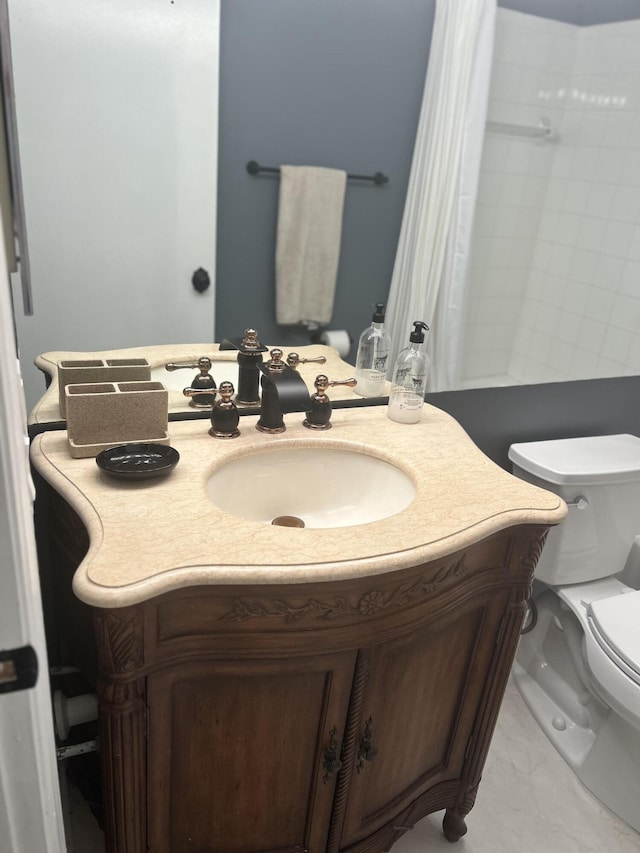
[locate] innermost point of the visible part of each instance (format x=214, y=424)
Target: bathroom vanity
x=275, y=689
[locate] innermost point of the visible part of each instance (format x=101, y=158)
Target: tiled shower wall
x=554, y=285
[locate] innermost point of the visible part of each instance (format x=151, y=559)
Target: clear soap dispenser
x=409, y=383
x=372, y=357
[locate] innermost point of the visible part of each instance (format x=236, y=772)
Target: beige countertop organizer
x=92, y=370
x=104, y=414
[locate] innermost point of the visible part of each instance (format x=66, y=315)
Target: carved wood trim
x=120, y=641
x=489, y=707
x=368, y=604
x=530, y=560
x=122, y=725
x=349, y=749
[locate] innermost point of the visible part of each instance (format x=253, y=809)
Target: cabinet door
x=237, y=754
x=417, y=716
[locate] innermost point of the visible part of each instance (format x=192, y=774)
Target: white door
x=30, y=813
x=117, y=115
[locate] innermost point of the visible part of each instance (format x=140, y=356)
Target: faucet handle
x=319, y=412
x=323, y=382
x=224, y=415
x=201, y=398
x=203, y=364
x=275, y=362
x=202, y=382
x=350, y=383
x=250, y=340
x=293, y=360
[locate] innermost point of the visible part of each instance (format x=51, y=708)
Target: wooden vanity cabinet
x=420, y=711
x=310, y=717
x=236, y=753
x=319, y=717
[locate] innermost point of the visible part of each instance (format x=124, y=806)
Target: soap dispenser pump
x=372, y=357
x=409, y=383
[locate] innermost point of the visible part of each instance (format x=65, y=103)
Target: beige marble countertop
x=158, y=535
x=47, y=409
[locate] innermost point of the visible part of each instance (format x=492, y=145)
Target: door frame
x=30, y=806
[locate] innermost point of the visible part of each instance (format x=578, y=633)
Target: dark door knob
x=200, y=280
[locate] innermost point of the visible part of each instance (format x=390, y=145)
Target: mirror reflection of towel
x=308, y=243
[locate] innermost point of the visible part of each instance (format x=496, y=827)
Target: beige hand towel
x=308, y=243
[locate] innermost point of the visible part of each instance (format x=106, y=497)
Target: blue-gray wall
x=498, y=417
x=335, y=83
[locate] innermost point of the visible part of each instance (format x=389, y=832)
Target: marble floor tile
x=528, y=802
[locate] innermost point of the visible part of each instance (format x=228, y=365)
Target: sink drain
x=288, y=521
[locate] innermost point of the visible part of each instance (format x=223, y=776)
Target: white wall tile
x=625, y=313
x=583, y=364
x=630, y=279
x=631, y=167
x=599, y=303
x=634, y=246
x=513, y=188
x=556, y=255
x=626, y=204
x=561, y=259
x=576, y=294
x=617, y=238
x=576, y=196
x=600, y=199
x=620, y=126
x=542, y=256
x=591, y=233
x=616, y=345
x=519, y=157
x=608, y=272
x=583, y=266
x=608, y=167
x=535, y=189
x=568, y=328
x=633, y=358
x=583, y=166
x=592, y=334
x=607, y=367
x=593, y=127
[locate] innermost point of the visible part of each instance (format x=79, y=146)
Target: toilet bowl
x=578, y=666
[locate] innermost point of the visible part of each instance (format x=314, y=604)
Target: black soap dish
x=138, y=461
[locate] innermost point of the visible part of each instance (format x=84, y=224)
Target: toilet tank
x=594, y=540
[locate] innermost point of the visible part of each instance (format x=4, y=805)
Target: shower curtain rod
x=254, y=168
x=542, y=131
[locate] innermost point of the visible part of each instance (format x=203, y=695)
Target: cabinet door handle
x=331, y=761
x=367, y=751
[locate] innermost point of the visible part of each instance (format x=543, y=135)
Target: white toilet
x=578, y=666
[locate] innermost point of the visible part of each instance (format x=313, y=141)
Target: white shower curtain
x=431, y=261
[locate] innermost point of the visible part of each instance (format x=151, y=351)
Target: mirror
x=126, y=119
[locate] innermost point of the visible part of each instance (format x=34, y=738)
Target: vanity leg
x=122, y=728
x=453, y=825
x=123, y=759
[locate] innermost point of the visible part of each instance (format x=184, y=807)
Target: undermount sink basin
x=176, y=380
x=310, y=487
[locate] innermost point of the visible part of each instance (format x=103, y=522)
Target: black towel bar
x=254, y=168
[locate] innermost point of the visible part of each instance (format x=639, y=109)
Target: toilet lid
x=581, y=461
x=616, y=626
